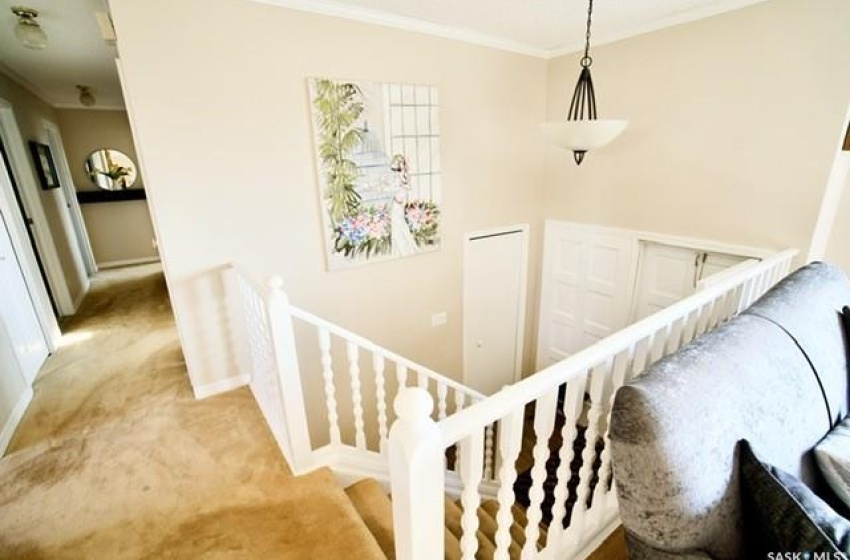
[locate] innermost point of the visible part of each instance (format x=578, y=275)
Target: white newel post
x=417, y=470
x=291, y=393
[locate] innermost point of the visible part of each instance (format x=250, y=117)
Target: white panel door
x=712, y=263
x=494, y=307
x=667, y=274
x=587, y=284
x=18, y=312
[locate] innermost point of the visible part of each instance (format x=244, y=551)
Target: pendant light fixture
x=27, y=30
x=86, y=96
x=582, y=131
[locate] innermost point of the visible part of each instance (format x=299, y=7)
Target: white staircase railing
x=288, y=350
x=572, y=402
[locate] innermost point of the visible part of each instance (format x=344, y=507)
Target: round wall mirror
x=111, y=170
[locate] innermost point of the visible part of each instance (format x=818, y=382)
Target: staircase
x=374, y=506
x=446, y=438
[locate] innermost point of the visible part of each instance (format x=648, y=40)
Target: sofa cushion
x=833, y=457
x=781, y=514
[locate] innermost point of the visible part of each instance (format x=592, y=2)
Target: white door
x=666, y=274
x=586, y=290
x=17, y=310
x=495, y=270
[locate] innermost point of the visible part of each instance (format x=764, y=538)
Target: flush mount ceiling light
x=27, y=30
x=582, y=131
x=86, y=96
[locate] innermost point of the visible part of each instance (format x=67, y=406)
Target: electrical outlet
x=438, y=319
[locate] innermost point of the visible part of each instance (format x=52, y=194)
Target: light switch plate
x=438, y=319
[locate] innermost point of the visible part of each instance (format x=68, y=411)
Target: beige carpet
x=116, y=459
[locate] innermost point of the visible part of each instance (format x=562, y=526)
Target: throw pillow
x=781, y=514
x=833, y=457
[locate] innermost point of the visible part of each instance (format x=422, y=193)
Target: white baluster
x=441, y=400
x=510, y=443
x=690, y=327
x=417, y=478
x=421, y=380
x=662, y=335
x=622, y=363
x=356, y=394
x=471, y=467
x=544, y=420
x=381, y=397
x=330, y=389
x=598, y=378
x=401, y=376
x=572, y=409
x=488, y=452
x=706, y=312
x=460, y=400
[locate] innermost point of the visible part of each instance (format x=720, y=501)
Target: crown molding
x=76, y=107
x=387, y=19
x=27, y=85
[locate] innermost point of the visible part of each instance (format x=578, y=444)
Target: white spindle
x=421, y=380
x=690, y=327
x=706, y=313
x=441, y=400
x=381, y=397
x=622, y=362
x=353, y=352
x=598, y=378
x=572, y=409
x=510, y=442
x=488, y=452
x=460, y=400
x=471, y=467
x=417, y=478
x=544, y=420
x=401, y=376
x=330, y=389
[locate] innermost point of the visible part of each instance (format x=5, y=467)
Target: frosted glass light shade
x=582, y=136
x=30, y=34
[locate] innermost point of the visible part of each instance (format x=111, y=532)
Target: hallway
x=116, y=459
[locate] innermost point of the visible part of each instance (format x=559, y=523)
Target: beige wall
x=118, y=231
x=733, y=122
x=221, y=119
x=30, y=113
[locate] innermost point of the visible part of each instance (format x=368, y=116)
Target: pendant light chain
x=586, y=60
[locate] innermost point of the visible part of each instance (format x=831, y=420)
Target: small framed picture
x=44, y=166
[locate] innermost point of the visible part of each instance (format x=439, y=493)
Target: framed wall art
x=44, y=167
x=378, y=165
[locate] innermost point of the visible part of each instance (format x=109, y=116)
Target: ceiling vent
x=107, y=31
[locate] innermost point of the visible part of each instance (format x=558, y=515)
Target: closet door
x=666, y=275
x=586, y=291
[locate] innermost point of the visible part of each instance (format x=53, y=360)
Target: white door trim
x=28, y=187
x=77, y=230
x=523, y=230
x=26, y=257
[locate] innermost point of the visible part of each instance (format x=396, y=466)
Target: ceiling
x=77, y=53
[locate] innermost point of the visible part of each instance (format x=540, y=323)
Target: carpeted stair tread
x=374, y=506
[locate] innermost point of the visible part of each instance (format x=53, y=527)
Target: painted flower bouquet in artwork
x=378, y=164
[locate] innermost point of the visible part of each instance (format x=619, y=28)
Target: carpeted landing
x=116, y=459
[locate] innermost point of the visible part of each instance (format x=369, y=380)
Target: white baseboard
x=126, y=262
x=83, y=291
x=222, y=386
x=14, y=420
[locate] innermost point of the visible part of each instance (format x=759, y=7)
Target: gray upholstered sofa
x=674, y=430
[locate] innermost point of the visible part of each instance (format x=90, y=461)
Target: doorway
x=495, y=284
